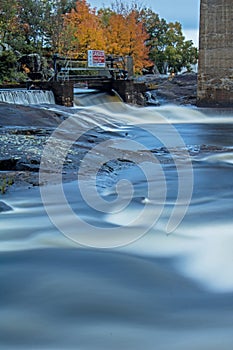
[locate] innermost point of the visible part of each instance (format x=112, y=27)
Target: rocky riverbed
x=24, y=131
x=179, y=89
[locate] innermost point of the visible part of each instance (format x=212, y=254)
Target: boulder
x=4, y=207
x=31, y=62
x=8, y=164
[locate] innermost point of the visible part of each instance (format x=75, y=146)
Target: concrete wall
x=63, y=92
x=215, y=73
x=130, y=91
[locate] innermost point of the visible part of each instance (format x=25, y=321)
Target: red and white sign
x=96, y=58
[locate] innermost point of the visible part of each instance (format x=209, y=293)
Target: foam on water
x=27, y=97
x=202, y=251
x=173, y=291
x=223, y=158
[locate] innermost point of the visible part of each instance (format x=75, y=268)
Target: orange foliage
x=126, y=36
x=82, y=31
x=118, y=34
x=137, y=36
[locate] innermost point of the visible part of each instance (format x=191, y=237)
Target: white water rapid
x=27, y=97
x=134, y=253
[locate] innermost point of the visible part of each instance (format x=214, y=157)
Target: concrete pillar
x=129, y=66
x=215, y=71
x=130, y=91
x=63, y=91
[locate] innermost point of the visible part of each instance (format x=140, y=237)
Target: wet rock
x=183, y=87
x=31, y=61
x=151, y=99
x=20, y=164
x=180, y=89
x=28, y=116
x=8, y=164
x=29, y=131
x=4, y=207
x=28, y=165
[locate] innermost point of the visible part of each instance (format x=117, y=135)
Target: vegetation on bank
x=5, y=183
x=70, y=28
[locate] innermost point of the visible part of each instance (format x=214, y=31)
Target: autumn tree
x=116, y=34
x=125, y=33
x=137, y=37
x=72, y=27
x=32, y=25
x=82, y=31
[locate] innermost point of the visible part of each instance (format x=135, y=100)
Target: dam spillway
x=26, y=97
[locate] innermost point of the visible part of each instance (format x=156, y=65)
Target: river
x=136, y=252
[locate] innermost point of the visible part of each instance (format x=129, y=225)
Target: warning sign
x=96, y=58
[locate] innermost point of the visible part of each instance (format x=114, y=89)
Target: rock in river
x=4, y=207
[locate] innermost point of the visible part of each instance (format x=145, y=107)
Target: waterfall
x=27, y=96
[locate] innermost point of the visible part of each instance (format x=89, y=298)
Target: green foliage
x=8, y=13
x=7, y=65
x=8, y=68
x=168, y=49
x=38, y=26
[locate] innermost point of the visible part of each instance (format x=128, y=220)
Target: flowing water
x=136, y=253
x=26, y=97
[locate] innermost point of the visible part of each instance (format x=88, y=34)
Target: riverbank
x=179, y=89
x=23, y=133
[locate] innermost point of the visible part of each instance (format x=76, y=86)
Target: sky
x=184, y=11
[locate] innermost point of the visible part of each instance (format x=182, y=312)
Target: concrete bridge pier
x=215, y=72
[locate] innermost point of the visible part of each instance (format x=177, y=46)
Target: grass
x=5, y=183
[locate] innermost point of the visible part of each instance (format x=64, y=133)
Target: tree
x=72, y=27
x=55, y=22
x=125, y=33
x=168, y=49
x=83, y=31
x=7, y=66
x=117, y=36
x=33, y=18
x=33, y=25
x=8, y=21
x=137, y=37
x=189, y=55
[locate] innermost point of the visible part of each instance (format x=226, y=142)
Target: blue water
x=102, y=276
